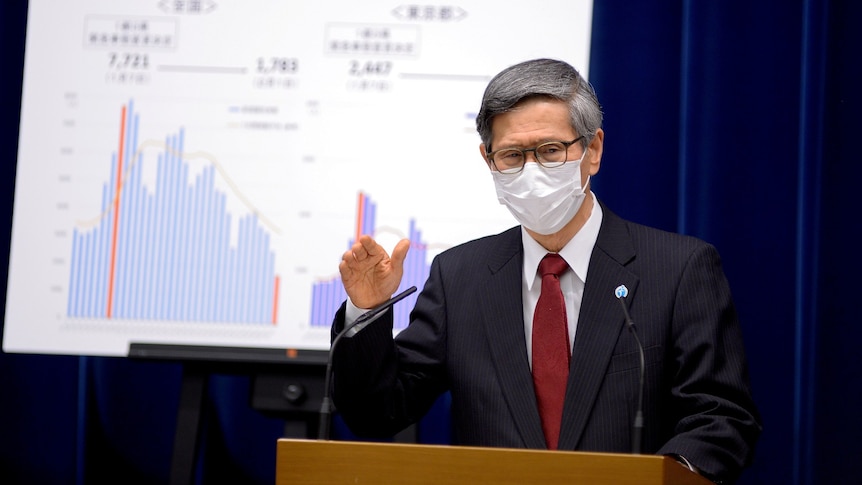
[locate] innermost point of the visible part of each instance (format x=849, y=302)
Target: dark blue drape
x=732, y=121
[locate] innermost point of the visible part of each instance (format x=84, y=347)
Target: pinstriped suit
x=467, y=336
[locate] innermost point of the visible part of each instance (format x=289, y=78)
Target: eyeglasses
x=549, y=155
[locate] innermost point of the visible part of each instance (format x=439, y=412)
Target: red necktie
x=551, y=348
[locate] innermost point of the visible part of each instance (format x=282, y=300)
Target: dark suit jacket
x=466, y=336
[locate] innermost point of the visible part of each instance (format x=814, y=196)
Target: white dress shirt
x=577, y=254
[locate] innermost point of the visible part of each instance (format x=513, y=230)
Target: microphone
x=637, y=427
x=353, y=328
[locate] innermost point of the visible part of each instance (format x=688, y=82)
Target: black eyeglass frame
x=567, y=144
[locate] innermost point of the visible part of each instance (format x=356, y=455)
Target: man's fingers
x=368, y=247
x=400, y=252
x=367, y=253
x=365, y=248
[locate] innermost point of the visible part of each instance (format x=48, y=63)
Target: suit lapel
x=502, y=314
x=599, y=325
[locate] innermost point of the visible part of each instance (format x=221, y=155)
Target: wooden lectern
x=339, y=462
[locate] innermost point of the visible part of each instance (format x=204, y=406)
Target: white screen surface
x=190, y=172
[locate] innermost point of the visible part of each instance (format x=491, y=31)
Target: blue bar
x=367, y=223
x=180, y=265
x=91, y=274
x=89, y=304
x=210, y=257
x=201, y=243
x=151, y=269
x=325, y=302
x=92, y=259
x=154, y=242
x=123, y=243
x=161, y=247
x=85, y=286
x=141, y=212
x=168, y=204
x=208, y=291
x=164, y=235
x=192, y=266
x=263, y=288
x=220, y=255
x=191, y=216
x=171, y=225
x=215, y=270
x=207, y=298
x=194, y=282
x=138, y=219
x=230, y=297
x=256, y=290
x=181, y=261
x=98, y=261
x=146, y=267
x=159, y=209
x=316, y=298
x=255, y=261
x=72, y=290
x=242, y=269
x=149, y=252
x=137, y=222
x=133, y=292
x=251, y=270
x=238, y=285
x=198, y=244
x=240, y=272
x=229, y=275
x=119, y=252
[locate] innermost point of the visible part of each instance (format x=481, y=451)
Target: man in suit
x=526, y=370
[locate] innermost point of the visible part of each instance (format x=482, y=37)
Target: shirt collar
x=576, y=252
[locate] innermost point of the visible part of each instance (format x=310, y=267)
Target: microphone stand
x=326, y=404
x=637, y=427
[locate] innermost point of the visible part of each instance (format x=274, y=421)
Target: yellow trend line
x=182, y=156
x=415, y=244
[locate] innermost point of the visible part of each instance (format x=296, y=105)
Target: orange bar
x=116, y=211
x=360, y=214
x=275, y=302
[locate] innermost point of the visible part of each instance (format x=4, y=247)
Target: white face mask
x=542, y=199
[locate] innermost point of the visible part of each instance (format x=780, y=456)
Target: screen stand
x=188, y=429
x=285, y=384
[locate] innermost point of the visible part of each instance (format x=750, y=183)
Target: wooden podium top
x=340, y=462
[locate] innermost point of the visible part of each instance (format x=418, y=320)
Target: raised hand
x=369, y=274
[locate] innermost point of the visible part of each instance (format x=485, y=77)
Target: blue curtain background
x=734, y=121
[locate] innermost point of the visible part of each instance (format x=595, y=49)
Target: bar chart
x=167, y=254
x=328, y=295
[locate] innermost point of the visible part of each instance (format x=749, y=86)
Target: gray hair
x=541, y=78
